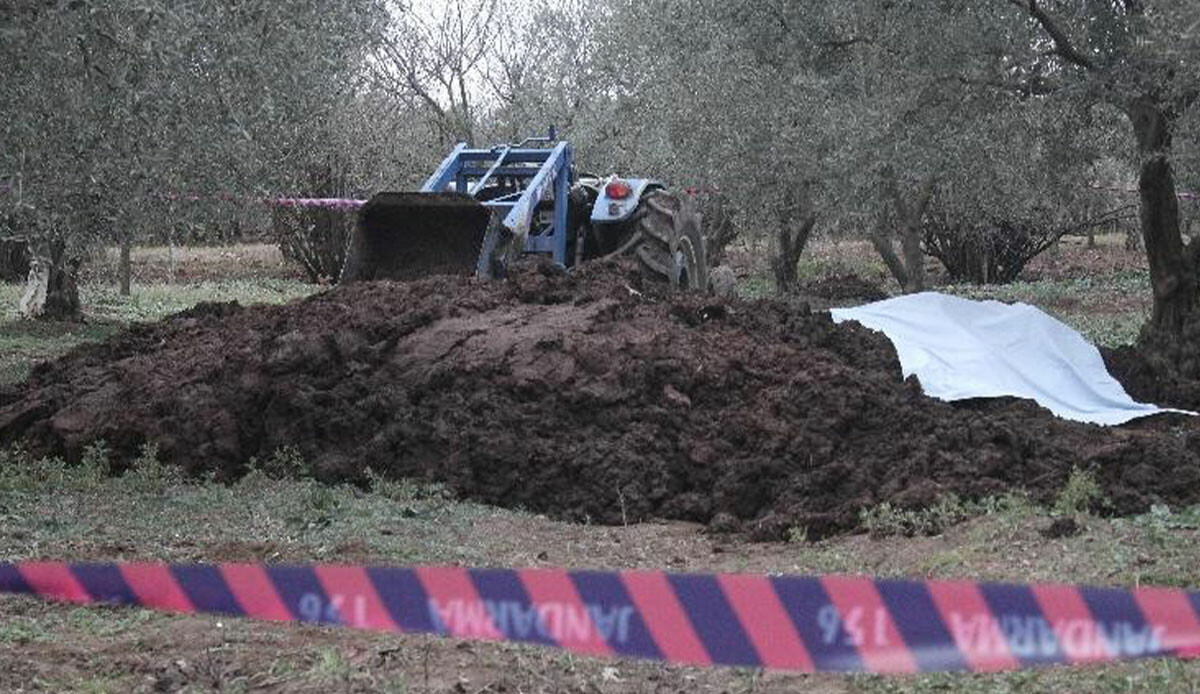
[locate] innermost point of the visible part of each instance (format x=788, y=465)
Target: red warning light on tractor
x=617, y=189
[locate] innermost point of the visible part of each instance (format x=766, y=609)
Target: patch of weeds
x=317, y=506
x=285, y=463
x=886, y=520
x=755, y=287
x=1020, y=681
x=1162, y=525
x=14, y=370
x=1008, y=514
x=100, y=685
x=1165, y=675
x=1015, y=503
x=404, y=489
x=95, y=466
x=322, y=498
x=22, y=632
x=332, y=666
x=399, y=686
x=107, y=621
x=150, y=475
x=1161, y=516
x=1109, y=330
x=20, y=472
x=254, y=479
x=1080, y=495
x=940, y=562
x=798, y=534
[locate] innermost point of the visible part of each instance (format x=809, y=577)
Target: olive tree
x=113, y=107
x=1141, y=58
x=719, y=95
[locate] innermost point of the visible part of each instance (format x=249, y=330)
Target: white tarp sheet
x=959, y=348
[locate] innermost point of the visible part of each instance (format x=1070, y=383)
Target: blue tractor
x=483, y=208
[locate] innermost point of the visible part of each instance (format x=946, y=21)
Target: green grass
x=48, y=505
x=58, y=515
x=1107, y=305
x=1108, y=309
x=151, y=302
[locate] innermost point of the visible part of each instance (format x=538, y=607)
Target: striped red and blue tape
x=827, y=623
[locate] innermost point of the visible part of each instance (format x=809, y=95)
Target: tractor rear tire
x=671, y=242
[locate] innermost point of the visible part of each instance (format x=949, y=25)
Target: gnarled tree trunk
x=1172, y=273
x=52, y=290
x=792, y=238
x=909, y=270
x=14, y=259
x=796, y=221
x=719, y=227
x=882, y=241
x=125, y=265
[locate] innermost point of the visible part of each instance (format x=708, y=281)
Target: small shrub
x=29, y=474
x=149, y=474
x=949, y=510
x=20, y=471
x=798, y=534
x=316, y=238
x=1162, y=525
x=314, y=505
x=255, y=478
x=95, y=466
x=405, y=489
x=983, y=251
x=332, y=666
x=285, y=463
x=1012, y=503
x=322, y=498
x=1162, y=515
x=886, y=520
x=1081, y=494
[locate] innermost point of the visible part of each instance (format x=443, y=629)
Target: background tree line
x=971, y=131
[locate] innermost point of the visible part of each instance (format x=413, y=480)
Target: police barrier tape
x=329, y=203
x=829, y=623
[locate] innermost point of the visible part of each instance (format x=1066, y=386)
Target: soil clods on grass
x=1160, y=368
x=590, y=396
x=844, y=286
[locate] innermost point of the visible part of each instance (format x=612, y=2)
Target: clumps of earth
x=843, y=287
x=587, y=396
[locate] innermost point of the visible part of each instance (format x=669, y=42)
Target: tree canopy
x=881, y=120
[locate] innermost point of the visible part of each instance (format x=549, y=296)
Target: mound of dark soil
x=586, y=397
x=1162, y=369
x=843, y=288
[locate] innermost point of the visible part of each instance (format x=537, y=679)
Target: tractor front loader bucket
x=406, y=236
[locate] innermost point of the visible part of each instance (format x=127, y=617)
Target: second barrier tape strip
x=808, y=624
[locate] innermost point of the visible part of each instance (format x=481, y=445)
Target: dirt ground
x=55, y=648
x=47, y=515
x=591, y=397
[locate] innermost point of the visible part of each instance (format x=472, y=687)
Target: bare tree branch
x=1063, y=46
